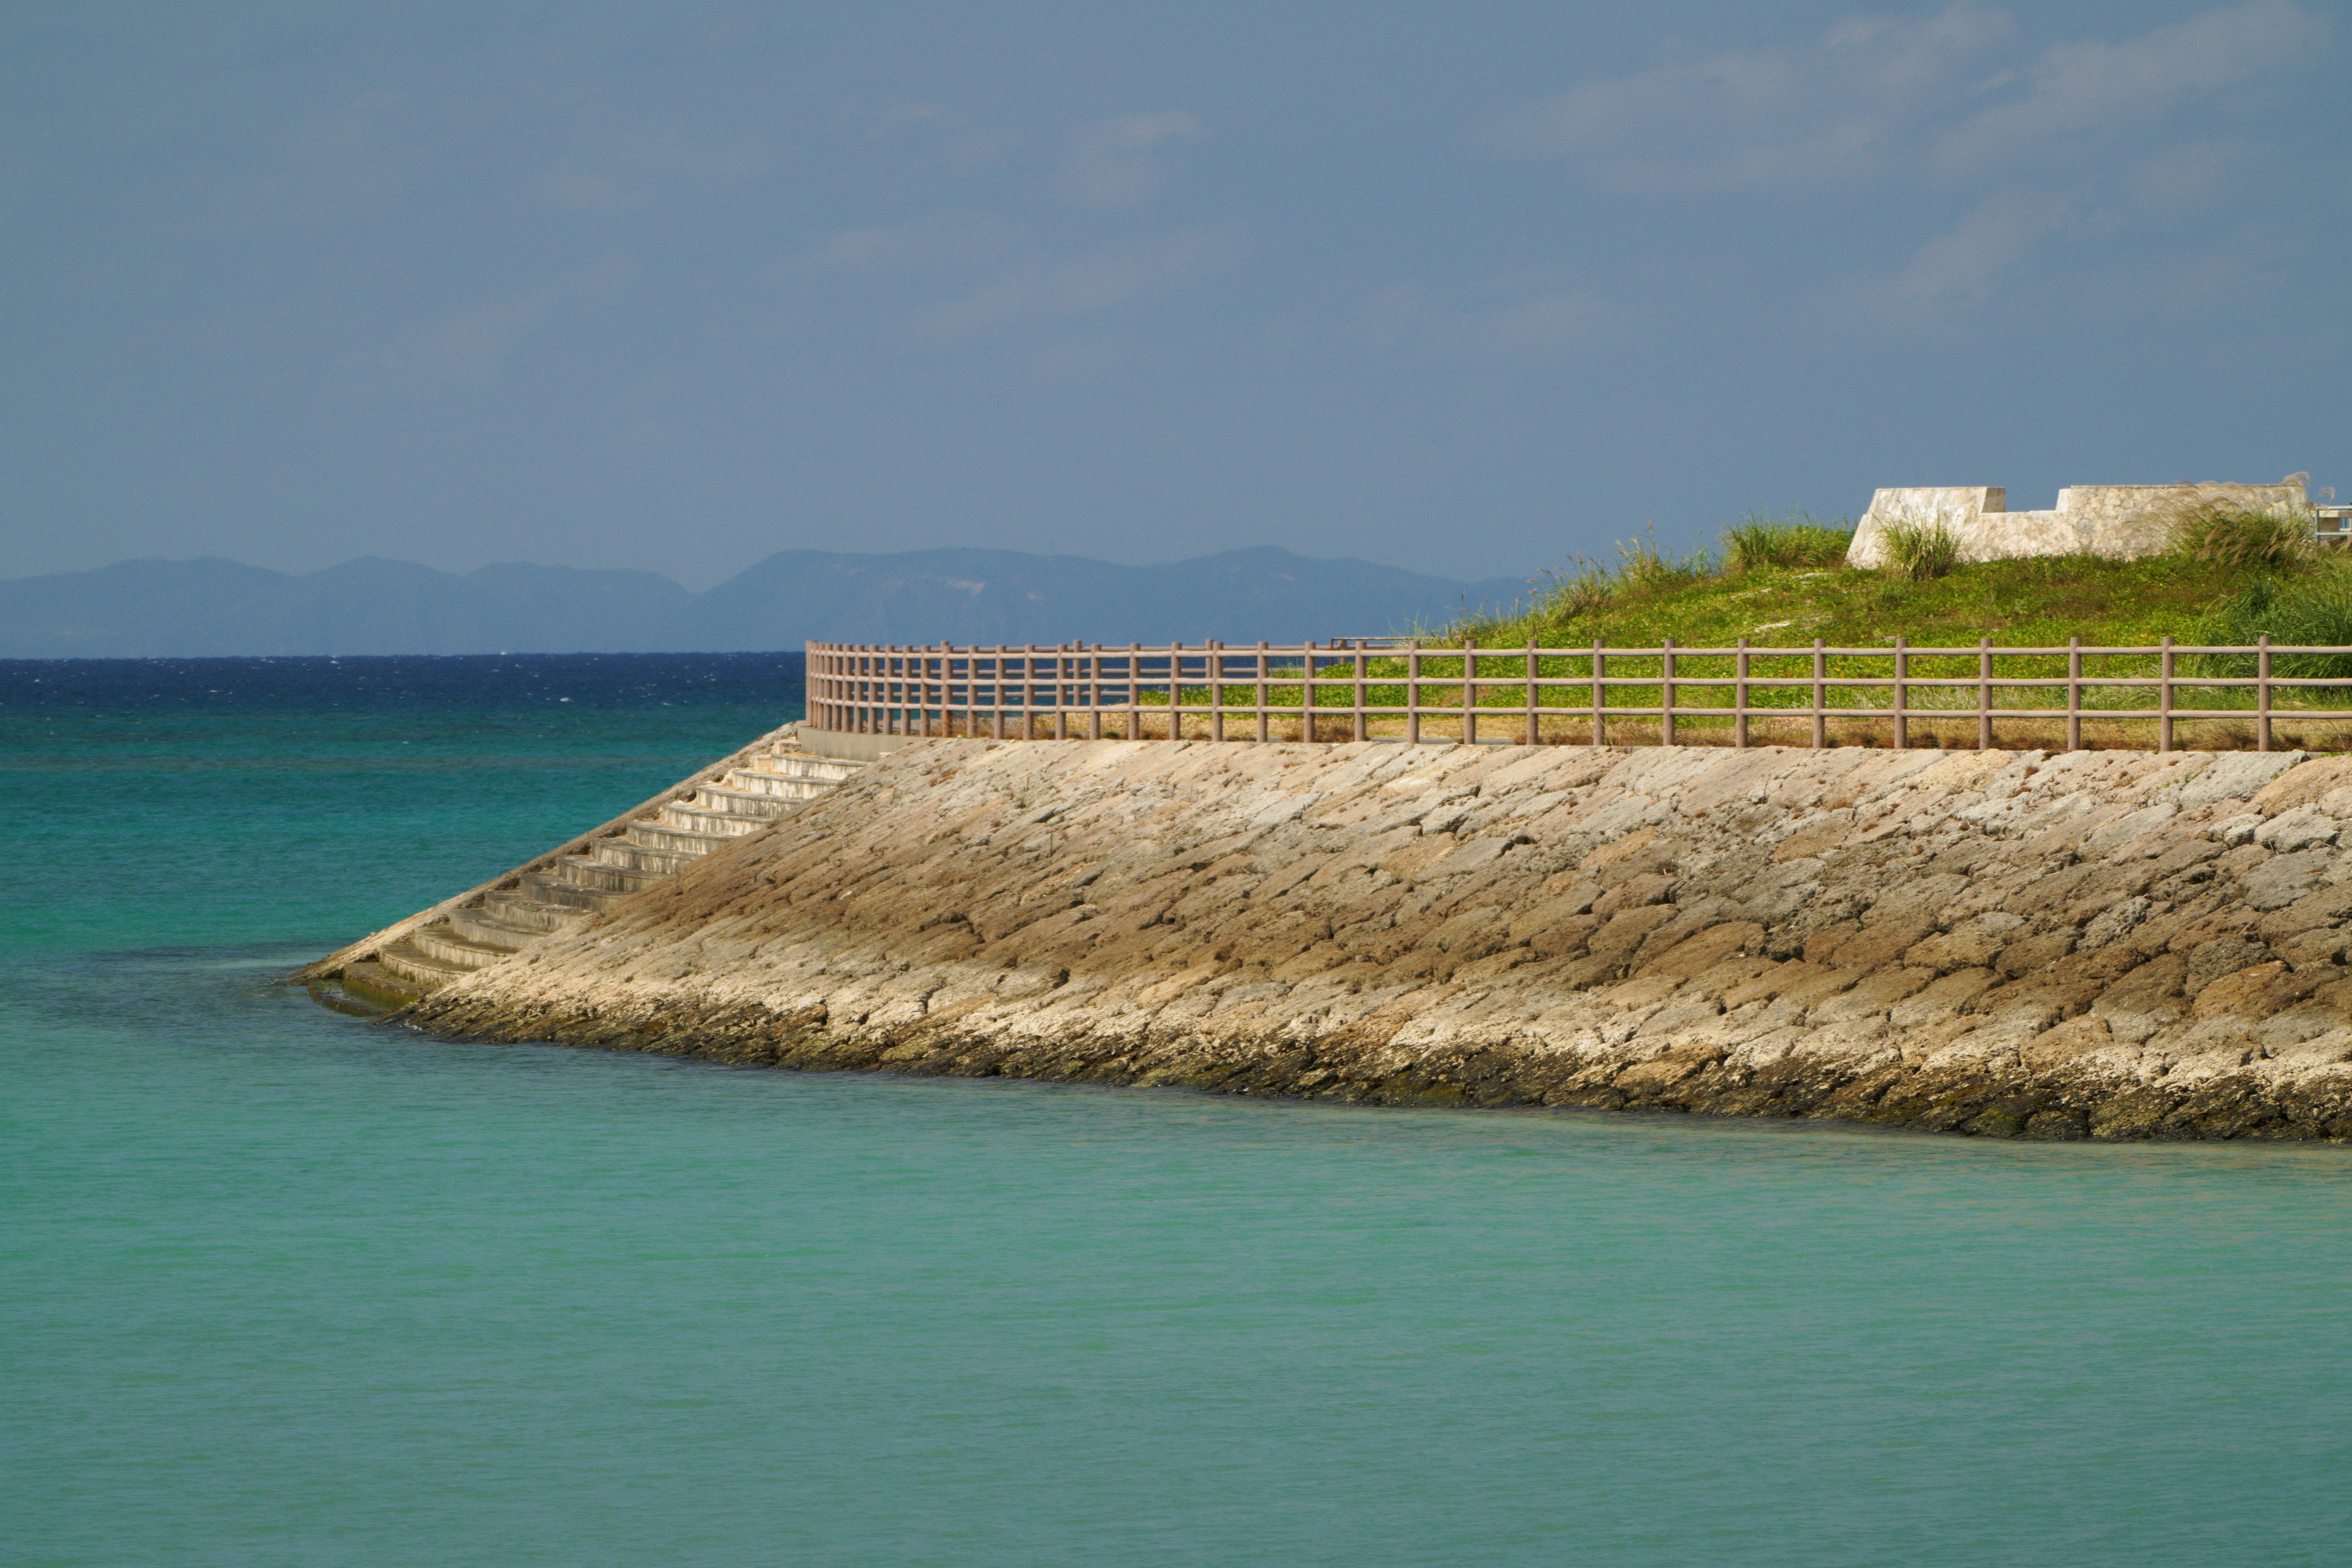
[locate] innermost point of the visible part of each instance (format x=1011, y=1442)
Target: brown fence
x=1366, y=689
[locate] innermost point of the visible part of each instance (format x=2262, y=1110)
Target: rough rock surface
x=2110, y=944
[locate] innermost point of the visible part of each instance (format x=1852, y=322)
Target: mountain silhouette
x=214, y=607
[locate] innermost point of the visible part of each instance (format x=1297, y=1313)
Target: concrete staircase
x=772, y=785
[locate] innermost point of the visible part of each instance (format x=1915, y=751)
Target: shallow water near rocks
x=280, y=1286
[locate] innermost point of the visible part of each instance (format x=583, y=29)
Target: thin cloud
x=475, y=344
x=626, y=165
x=356, y=159
x=937, y=242
x=1842, y=105
x=953, y=135
x=2085, y=86
x=1080, y=286
x=1876, y=97
x=1513, y=320
x=1107, y=164
x=1958, y=270
x=593, y=194
x=1541, y=326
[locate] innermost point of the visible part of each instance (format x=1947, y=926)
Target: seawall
x=2105, y=945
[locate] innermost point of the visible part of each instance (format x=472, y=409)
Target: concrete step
x=491, y=929
x=649, y=864
x=710, y=823
x=676, y=838
x=552, y=886
x=793, y=787
x=609, y=877
x=404, y=959
x=443, y=944
x=524, y=913
x=379, y=987
x=740, y=803
x=801, y=764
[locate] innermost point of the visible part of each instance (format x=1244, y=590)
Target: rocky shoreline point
x=2105, y=945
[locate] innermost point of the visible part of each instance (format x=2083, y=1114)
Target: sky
x=1471, y=288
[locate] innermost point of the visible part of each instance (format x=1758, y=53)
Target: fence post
x=1600, y=695
x=1902, y=674
x=1094, y=692
x=1176, y=692
x=2164, y=699
x=1821, y=696
x=1307, y=694
x=1061, y=679
x=1666, y=691
x=1261, y=688
x=2263, y=693
x=2074, y=694
x=1984, y=694
x=996, y=694
x=1028, y=691
x=1413, y=691
x=1469, y=691
x=1363, y=729
x=1532, y=737
x=1135, y=692
x=1214, y=669
x=1739, y=698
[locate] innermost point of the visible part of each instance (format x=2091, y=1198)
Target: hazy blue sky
x=1467, y=288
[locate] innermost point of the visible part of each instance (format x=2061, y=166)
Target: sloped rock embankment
x=2109, y=944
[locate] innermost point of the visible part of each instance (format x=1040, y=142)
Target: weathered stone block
x=1970, y=944
x=2298, y=829
x=2281, y=882
x=2225, y=955
x=1217, y=917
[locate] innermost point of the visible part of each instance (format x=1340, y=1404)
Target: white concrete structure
x=2116, y=521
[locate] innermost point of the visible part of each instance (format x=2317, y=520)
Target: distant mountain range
x=205, y=607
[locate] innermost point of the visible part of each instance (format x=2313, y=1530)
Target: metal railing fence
x=1366, y=689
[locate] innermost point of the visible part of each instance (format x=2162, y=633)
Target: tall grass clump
x=1799, y=540
x=1584, y=587
x=1922, y=552
x=2235, y=536
x=1642, y=567
x=2310, y=611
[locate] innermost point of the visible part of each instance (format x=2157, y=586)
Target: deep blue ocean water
x=280, y=1286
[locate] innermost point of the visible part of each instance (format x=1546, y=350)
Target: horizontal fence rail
x=1376, y=688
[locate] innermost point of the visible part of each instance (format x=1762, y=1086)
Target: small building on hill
x=2116, y=521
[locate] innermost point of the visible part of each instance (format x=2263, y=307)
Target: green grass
x=2037, y=602
x=1782, y=584
x=1800, y=542
x=2204, y=595
x=2244, y=538
x=1922, y=552
x=2312, y=609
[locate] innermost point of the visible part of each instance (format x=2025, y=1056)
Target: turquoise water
x=278, y=1286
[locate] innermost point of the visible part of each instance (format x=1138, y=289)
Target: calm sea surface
x=278, y=1286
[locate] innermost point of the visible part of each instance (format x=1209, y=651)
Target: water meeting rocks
x=2105, y=945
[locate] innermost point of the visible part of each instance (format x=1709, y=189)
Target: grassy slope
x=2039, y=602
x=2034, y=603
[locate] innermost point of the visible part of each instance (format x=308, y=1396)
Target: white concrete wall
x=1958, y=508
x=2119, y=521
